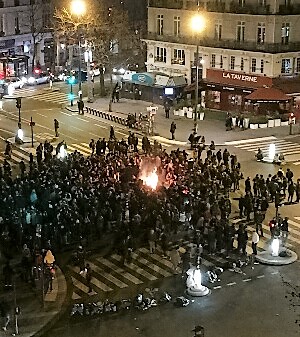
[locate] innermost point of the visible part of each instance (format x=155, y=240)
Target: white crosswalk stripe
x=53, y=97
x=290, y=150
x=25, y=92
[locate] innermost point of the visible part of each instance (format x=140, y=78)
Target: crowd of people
x=59, y=202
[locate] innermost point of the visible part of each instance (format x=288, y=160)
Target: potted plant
x=284, y=119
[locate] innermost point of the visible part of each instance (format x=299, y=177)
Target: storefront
x=226, y=90
x=153, y=87
x=13, y=66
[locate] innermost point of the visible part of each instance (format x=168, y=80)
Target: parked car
x=14, y=82
x=40, y=78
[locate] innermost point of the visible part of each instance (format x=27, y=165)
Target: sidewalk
x=212, y=127
x=35, y=317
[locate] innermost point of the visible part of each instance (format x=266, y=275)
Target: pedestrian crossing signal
x=71, y=80
x=18, y=102
x=71, y=96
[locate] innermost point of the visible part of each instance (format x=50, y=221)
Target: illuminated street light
x=197, y=25
x=78, y=7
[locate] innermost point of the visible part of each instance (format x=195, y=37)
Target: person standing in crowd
x=255, y=240
x=167, y=109
x=56, y=127
x=172, y=130
x=80, y=105
x=297, y=190
x=92, y=146
x=291, y=191
x=88, y=277
x=284, y=228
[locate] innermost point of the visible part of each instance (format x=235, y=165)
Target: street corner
x=161, y=139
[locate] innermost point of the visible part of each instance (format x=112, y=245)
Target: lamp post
x=197, y=25
x=78, y=8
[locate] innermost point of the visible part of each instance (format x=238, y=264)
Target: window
x=176, y=25
x=285, y=33
x=17, y=28
x=253, y=65
x=240, y=32
x=297, y=70
x=221, y=61
x=17, y=2
x=179, y=57
x=285, y=66
x=262, y=64
x=160, y=24
x=242, y=3
x=218, y=30
x=213, y=61
x=161, y=54
x=232, y=62
x=261, y=33
x=242, y=64
x=262, y=3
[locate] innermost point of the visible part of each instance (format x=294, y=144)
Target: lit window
x=160, y=24
x=253, y=65
x=213, y=60
x=161, y=54
x=232, y=62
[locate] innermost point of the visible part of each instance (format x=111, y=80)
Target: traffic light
x=71, y=80
x=18, y=102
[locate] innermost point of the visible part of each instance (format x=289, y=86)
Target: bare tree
x=107, y=29
x=36, y=21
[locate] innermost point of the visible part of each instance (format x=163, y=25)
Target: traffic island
x=194, y=284
x=276, y=254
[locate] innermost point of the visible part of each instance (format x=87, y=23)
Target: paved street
x=239, y=305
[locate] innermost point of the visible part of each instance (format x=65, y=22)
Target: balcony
x=178, y=61
x=289, y=10
x=192, y=5
x=272, y=48
x=160, y=59
x=170, y=4
x=214, y=6
x=249, y=9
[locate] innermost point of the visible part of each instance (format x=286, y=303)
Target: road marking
x=121, y=133
x=84, y=120
x=260, y=276
x=217, y=287
x=101, y=126
x=297, y=217
x=41, y=115
x=247, y=279
x=231, y=284
x=64, y=113
x=74, y=127
x=274, y=273
x=251, y=140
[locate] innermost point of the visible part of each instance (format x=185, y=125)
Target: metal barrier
x=108, y=116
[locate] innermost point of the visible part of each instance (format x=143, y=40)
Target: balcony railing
x=289, y=10
x=160, y=59
x=249, y=9
x=181, y=62
x=171, y=4
x=214, y=6
x=227, y=44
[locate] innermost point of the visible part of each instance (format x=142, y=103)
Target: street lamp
x=197, y=26
x=78, y=8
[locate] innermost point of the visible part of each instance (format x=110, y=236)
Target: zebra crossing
x=42, y=95
x=110, y=274
x=22, y=153
x=290, y=150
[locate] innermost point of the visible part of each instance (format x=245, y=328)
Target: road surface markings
x=83, y=120
x=231, y=284
x=247, y=279
x=275, y=272
x=217, y=287
x=74, y=127
x=101, y=126
x=260, y=276
x=38, y=113
x=250, y=140
x=65, y=113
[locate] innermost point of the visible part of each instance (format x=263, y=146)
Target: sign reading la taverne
x=239, y=79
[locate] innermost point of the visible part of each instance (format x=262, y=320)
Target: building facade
x=25, y=36
x=245, y=44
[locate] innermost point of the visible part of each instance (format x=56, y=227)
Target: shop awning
x=267, y=95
